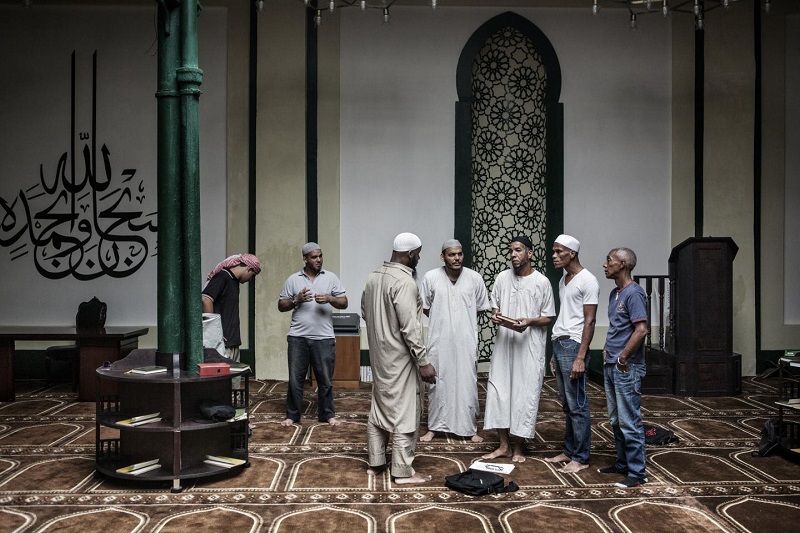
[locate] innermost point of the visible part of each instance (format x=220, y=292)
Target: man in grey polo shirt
x=311, y=295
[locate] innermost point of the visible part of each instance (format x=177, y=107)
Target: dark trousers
x=321, y=355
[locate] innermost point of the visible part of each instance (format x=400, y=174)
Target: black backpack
x=478, y=483
x=770, y=438
x=658, y=436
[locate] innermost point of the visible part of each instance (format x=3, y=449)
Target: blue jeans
x=321, y=355
x=572, y=392
x=624, y=399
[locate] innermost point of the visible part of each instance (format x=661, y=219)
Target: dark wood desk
x=107, y=344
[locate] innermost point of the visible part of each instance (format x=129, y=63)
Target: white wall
x=397, y=133
x=35, y=113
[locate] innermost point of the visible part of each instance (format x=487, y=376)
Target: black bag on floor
x=658, y=436
x=478, y=483
x=770, y=438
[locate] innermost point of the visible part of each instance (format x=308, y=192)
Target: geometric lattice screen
x=509, y=163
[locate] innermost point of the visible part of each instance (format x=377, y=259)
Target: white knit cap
x=405, y=242
x=310, y=247
x=450, y=243
x=569, y=241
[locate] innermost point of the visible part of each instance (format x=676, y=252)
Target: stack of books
x=147, y=370
x=140, y=468
x=792, y=403
x=221, y=460
x=140, y=420
x=791, y=357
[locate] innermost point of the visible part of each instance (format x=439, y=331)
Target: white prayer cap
x=405, y=242
x=450, y=243
x=310, y=247
x=569, y=241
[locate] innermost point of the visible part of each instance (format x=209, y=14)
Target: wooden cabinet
x=182, y=439
x=347, y=371
x=701, y=281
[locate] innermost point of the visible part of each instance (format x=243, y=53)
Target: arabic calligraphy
x=81, y=226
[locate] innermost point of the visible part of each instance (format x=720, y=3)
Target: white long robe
x=392, y=309
x=517, y=368
x=453, y=348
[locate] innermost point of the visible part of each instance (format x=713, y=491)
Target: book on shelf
x=145, y=469
x=147, y=370
x=241, y=414
x=137, y=467
x=239, y=367
x=221, y=460
x=143, y=422
x=134, y=420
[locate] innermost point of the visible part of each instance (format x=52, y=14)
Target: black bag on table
x=478, y=483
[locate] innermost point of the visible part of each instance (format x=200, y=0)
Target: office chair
x=91, y=315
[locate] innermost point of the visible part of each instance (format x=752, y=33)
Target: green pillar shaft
x=170, y=247
x=189, y=78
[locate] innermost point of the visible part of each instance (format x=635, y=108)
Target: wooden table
x=96, y=347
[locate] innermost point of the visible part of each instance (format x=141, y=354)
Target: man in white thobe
x=392, y=309
x=452, y=297
x=522, y=307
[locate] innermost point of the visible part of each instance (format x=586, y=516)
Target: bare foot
x=416, y=478
x=287, y=422
x=499, y=452
x=476, y=438
x=333, y=421
x=560, y=458
x=427, y=437
x=519, y=455
x=572, y=467
x=375, y=470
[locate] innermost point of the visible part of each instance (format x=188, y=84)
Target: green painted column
x=170, y=283
x=189, y=78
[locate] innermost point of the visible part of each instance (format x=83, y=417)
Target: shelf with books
x=149, y=416
x=788, y=406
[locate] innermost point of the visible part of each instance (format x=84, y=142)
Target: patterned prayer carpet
x=312, y=477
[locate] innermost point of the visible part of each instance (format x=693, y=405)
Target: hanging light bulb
x=433, y=4
x=332, y=6
x=632, y=24
x=595, y=7
x=386, y=15
x=699, y=24
x=649, y=4
x=363, y=6
x=259, y=5
x=665, y=8
x=767, y=7
x=307, y=2
x=726, y=3
x=697, y=9
x=318, y=19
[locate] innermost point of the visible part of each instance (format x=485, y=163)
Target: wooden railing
x=658, y=289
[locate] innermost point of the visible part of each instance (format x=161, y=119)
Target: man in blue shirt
x=624, y=367
x=311, y=295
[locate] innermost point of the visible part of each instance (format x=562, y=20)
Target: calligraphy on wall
x=86, y=216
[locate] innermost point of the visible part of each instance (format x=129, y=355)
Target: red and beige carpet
x=313, y=477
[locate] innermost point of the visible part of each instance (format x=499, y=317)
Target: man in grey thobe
x=392, y=308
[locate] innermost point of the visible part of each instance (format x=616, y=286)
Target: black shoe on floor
x=612, y=470
x=630, y=482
